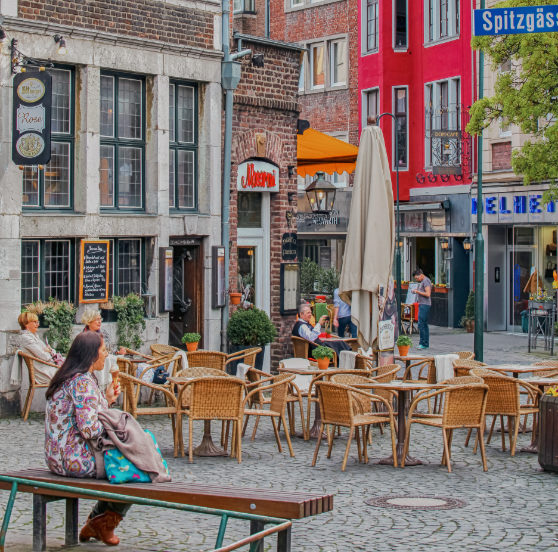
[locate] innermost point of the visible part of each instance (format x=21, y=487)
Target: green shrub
x=322, y=352
x=250, y=327
x=59, y=316
x=130, y=320
x=328, y=280
x=309, y=272
x=191, y=337
x=469, y=309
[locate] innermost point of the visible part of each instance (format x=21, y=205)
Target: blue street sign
x=524, y=20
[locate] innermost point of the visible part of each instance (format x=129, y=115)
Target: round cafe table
x=516, y=369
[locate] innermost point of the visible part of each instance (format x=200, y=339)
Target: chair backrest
x=465, y=403
x=280, y=392
x=300, y=347
x=216, y=398
x=465, y=355
x=463, y=367
x=210, y=359
x=159, y=349
x=503, y=392
x=297, y=363
x=552, y=368
x=336, y=403
x=200, y=372
x=349, y=379
x=363, y=362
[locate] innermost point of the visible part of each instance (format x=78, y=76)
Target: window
x=441, y=19
x=338, y=62
x=297, y=3
x=443, y=112
x=183, y=146
x=121, y=170
x=400, y=112
x=249, y=210
x=400, y=34
x=51, y=188
x=371, y=38
x=301, y=78
x=245, y=6
x=126, y=271
x=317, y=68
x=46, y=270
x=370, y=105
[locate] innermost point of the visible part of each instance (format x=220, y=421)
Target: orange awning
x=317, y=151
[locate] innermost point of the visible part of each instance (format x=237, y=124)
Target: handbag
x=120, y=470
x=160, y=375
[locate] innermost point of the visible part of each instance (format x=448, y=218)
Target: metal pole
x=479, y=240
x=397, y=256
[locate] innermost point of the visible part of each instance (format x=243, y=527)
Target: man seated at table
x=304, y=329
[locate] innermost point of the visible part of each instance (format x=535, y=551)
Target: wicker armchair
x=301, y=348
x=338, y=409
x=132, y=387
x=209, y=359
x=504, y=400
x=33, y=381
x=279, y=387
x=552, y=368
x=246, y=356
x=465, y=355
x=215, y=398
x=463, y=367
x=159, y=349
x=464, y=406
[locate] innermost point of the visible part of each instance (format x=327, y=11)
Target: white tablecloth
x=444, y=366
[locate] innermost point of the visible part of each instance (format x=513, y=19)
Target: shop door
x=187, y=314
x=496, y=278
x=520, y=264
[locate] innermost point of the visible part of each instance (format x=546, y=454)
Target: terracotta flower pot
x=323, y=363
x=193, y=346
x=235, y=298
x=403, y=350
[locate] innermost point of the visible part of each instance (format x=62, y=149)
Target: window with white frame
x=370, y=105
x=400, y=110
x=441, y=19
x=46, y=270
x=442, y=112
x=400, y=24
x=296, y=3
x=121, y=169
x=327, y=63
x=183, y=145
x=51, y=188
x=370, y=31
x=338, y=62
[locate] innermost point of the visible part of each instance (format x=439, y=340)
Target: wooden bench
x=239, y=502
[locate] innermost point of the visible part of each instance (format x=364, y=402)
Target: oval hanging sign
x=257, y=176
x=31, y=90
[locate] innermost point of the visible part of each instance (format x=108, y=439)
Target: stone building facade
x=136, y=159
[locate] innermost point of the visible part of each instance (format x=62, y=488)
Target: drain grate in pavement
x=416, y=502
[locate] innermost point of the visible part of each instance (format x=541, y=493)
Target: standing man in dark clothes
x=423, y=299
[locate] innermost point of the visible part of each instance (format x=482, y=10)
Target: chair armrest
x=40, y=361
x=165, y=391
x=373, y=397
x=422, y=363
x=267, y=388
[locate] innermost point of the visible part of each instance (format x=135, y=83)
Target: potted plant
x=38, y=308
x=235, y=297
x=404, y=344
x=250, y=328
x=59, y=317
x=129, y=319
x=468, y=319
x=323, y=355
x=191, y=339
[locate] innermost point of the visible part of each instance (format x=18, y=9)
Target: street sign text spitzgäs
x=520, y=20
x=32, y=101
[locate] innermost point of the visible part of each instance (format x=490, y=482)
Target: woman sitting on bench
x=73, y=403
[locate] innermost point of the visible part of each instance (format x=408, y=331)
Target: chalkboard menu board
x=94, y=271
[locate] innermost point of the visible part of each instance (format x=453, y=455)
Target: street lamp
x=397, y=221
x=321, y=195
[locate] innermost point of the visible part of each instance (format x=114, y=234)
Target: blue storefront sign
x=515, y=208
x=516, y=20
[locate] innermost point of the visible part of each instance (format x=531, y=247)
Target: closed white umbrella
x=370, y=236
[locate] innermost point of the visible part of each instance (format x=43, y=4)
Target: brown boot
x=101, y=528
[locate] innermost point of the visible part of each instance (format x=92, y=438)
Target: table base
x=207, y=447
x=533, y=448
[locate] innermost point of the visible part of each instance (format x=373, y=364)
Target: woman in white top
x=31, y=343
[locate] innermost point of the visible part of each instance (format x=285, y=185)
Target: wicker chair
x=301, y=348
x=132, y=387
x=504, y=400
x=246, y=356
x=209, y=359
x=338, y=409
x=463, y=367
x=33, y=383
x=159, y=349
x=464, y=406
x=215, y=398
x=552, y=368
x=279, y=387
x=364, y=362
x=465, y=355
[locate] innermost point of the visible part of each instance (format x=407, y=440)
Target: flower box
x=548, y=433
x=543, y=305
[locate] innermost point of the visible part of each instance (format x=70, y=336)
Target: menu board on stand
x=94, y=271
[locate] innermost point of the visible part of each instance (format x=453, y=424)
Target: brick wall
x=265, y=102
x=138, y=18
x=501, y=156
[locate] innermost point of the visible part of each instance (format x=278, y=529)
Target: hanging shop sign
x=514, y=208
x=32, y=101
x=257, y=176
x=288, y=246
x=94, y=271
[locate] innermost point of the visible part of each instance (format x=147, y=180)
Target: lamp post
x=397, y=221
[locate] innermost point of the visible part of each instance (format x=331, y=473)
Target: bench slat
x=282, y=504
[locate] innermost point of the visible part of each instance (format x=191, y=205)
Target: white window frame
x=333, y=45
x=364, y=103
x=393, y=127
x=314, y=46
x=364, y=28
x=453, y=25
x=394, y=26
x=305, y=82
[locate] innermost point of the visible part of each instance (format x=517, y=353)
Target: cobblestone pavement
x=510, y=507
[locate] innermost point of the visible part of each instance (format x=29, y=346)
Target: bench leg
x=71, y=536
x=284, y=540
x=39, y=523
x=256, y=527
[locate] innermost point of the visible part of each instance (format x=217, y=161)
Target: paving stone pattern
x=510, y=507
